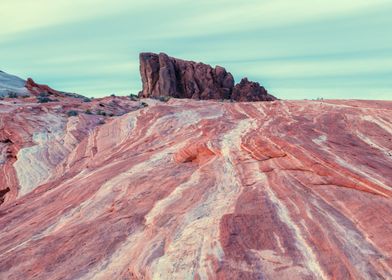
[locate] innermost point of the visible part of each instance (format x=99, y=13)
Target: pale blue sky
x=296, y=49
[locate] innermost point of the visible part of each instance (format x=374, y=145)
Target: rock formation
x=191, y=190
x=36, y=89
x=250, y=91
x=167, y=76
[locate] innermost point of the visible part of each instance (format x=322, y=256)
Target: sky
x=301, y=49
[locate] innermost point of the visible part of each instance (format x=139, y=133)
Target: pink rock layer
x=36, y=137
x=212, y=190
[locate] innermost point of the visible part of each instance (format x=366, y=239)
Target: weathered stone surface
x=211, y=190
x=250, y=91
x=167, y=76
x=11, y=85
x=35, y=137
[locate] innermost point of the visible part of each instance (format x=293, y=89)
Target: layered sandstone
x=36, y=137
x=167, y=76
x=212, y=190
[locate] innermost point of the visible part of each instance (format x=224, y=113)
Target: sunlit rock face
x=212, y=190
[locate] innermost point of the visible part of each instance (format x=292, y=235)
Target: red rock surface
x=163, y=75
x=213, y=190
x=36, y=89
x=36, y=137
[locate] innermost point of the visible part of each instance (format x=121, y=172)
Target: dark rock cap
x=163, y=75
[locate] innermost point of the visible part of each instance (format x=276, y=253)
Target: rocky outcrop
x=163, y=75
x=250, y=91
x=167, y=76
x=37, y=89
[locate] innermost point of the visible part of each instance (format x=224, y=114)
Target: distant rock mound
x=36, y=89
x=13, y=87
x=163, y=75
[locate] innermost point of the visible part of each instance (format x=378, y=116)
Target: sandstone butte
x=189, y=189
x=163, y=75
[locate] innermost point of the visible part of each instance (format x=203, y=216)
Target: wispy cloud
x=18, y=16
x=214, y=17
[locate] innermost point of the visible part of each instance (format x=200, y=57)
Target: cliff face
x=167, y=76
x=211, y=190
